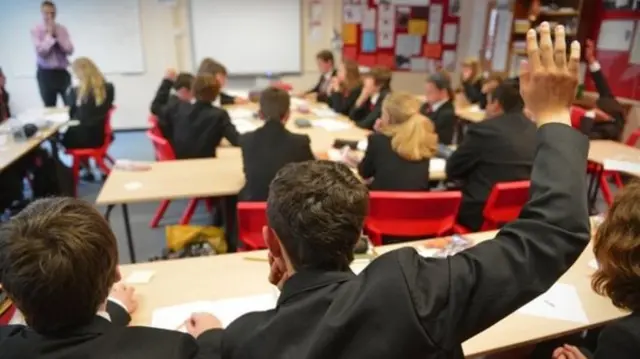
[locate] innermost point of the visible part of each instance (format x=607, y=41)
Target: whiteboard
x=248, y=36
x=108, y=32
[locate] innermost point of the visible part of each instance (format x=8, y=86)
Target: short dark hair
x=205, y=88
x=381, y=76
x=48, y=3
x=325, y=55
x=211, y=67
x=508, y=96
x=184, y=80
x=58, y=261
x=317, y=209
x=274, y=103
x=442, y=81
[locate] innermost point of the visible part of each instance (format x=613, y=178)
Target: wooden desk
x=12, y=150
x=180, y=281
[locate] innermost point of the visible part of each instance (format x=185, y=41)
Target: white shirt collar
x=328, y=75
x=437, y=105
x=374, y=98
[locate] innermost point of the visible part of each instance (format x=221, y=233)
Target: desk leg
x=594, y=187
x=127, y=231
x=107, y=213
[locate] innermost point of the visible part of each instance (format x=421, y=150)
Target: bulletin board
x=404, y=35
x=617, y=37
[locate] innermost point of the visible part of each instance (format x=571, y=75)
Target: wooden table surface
x=232, y=275
x=601, y=150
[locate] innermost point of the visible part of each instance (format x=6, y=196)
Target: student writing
x=376, y=86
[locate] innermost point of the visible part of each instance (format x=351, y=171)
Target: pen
x=549, y=303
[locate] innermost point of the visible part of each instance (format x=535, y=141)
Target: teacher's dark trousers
x=53, y=82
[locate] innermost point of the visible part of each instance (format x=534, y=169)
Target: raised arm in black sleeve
x=161, y=98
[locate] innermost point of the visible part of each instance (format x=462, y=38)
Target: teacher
x=53, y=46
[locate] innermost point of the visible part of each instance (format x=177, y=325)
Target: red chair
x=154, y=126
x=411, y=214
x=252, y=217
x=503, y=205
x=99, y=154
x=164, y=152
x=7, y=310
x=577, y=114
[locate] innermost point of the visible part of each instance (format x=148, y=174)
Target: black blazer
x=163, y=103
x=322, y=97
x=495, y=150
x=391, y=172
x=444, y=119
x=406, y=306
x=619, y=339
x=264, y=152
x=89, y=133
x=199, y=128
x=342, y=102
x=4, y=104
x=606, y=130
x=366, y=115
x=473, y=92
x=226, y=99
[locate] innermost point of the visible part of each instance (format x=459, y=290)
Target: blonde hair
x=92, y=81
x=412, y=135
x=476, y=69
x=352, y=75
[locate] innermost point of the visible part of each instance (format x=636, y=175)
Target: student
x=89, y=103
x=198, y=128
x=471, y=80
x=326, y=64
x=376, y=86
x=491, y=83
x=59, y=261
x=345, y=87
x=5, y=110
x=439, y=106
x=609, y=121
x=397, y=156
x=212, y=67
x=164, y=100
x=499, y=149
x=404, y=305
x=617, y=249
x=270, y=147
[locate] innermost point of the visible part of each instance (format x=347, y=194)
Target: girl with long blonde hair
x=399, y=154
x=345, y=87
x=90, y=103
x=471, y=79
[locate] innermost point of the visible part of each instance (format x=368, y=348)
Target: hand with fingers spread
x=568, y=352
x=548, y=81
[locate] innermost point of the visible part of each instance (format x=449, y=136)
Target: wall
x=167, y=43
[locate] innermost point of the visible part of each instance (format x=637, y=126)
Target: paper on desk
x=140, y=277
x=243, y=125
x=621, y=165
x=299, y=102
x=226, y=310
x=358, y=265
x=330, y=124
x=240, y=113
x=437, y=165
x=323, y=112
x=560, y=302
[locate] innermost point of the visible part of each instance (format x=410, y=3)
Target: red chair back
x=154, y=127
x=411, y=214
x=505, y=203
x=163, y=150
x=252, y=217
x=633, y=138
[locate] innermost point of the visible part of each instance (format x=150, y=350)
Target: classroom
x=198, y=179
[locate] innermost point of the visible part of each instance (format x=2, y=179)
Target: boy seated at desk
x=266, y=150
x=164, y=99
x=326, y=66
x=219, y=71
x=439, y=107
x=376, y=86
x=403, y=305
x=58, y=263
x=199, y=127
x=5, y=111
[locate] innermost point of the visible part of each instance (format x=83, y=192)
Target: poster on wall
x=315, y=20
x=634, y=56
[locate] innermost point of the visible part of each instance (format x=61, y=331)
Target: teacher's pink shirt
x=52, y=52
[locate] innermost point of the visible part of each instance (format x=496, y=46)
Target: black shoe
x=88, y=177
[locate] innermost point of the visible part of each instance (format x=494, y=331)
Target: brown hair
x=476, y=69
x=352, y=75
x=616, y=247
x=274, y=103
x=184, y=80
x=210, y=66
x=205, y=88
x=58, y=261
x=442, y=81
x=48, y=3
x=325, y=55
x=381, y=76
x=412, y=135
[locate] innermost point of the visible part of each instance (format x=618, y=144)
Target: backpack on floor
x=193, y=241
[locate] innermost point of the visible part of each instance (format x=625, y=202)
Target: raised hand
x=548, y=81
x=170, y=74
x=590, y=52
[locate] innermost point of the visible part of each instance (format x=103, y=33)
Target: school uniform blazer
x=407, y=306
x=366, y=115
x=226, y=99
x=264, y=152
x=89, y=133
x=619, y=339
x=322, y=97
x=495, y=150
x=444, y=119
x=343, y=102
x=473, y=92
x=389, y=171
x=199, y=128
x=163, y=103
x=5, y=110
x=606, y=130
